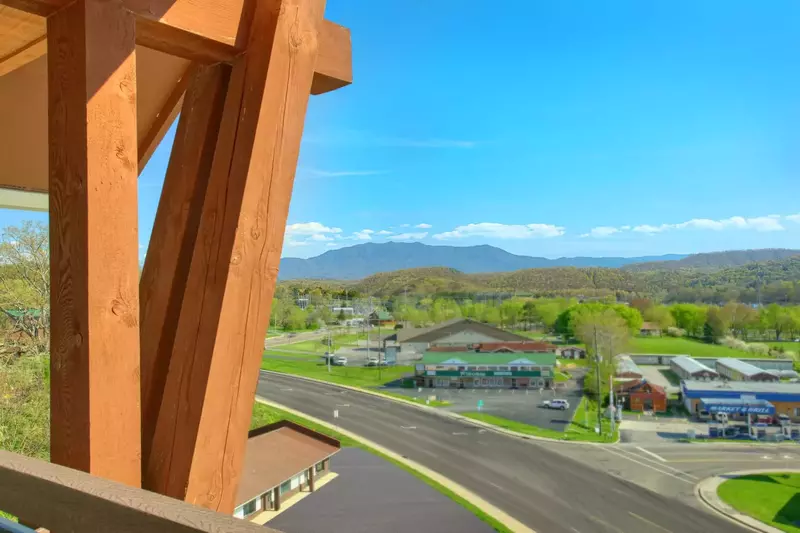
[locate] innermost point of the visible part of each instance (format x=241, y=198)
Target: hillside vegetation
x=777, y=281
x=716, y=260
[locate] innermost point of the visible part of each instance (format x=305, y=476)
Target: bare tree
x=25, y=287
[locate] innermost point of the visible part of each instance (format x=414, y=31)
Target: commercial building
x=281, y=460
x=738, y=398
x=500, y=347
x=455, y=332
x=736, y=370
x=468, y=370
x=688, y=368
x=641, y=395
x=381, y=318
x=572, y=352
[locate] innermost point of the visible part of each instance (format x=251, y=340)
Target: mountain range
x=362, y=260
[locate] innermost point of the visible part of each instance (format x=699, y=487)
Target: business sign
x=483, y=374
x=741, y=409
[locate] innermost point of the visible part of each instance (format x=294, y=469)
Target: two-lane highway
x=544, y=490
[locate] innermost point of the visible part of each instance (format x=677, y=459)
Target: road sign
x=480, y=405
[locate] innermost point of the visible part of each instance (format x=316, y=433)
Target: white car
x=372, y=361
x=557, y=404
x=340, y=360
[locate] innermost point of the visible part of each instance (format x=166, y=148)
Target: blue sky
x=551, y=128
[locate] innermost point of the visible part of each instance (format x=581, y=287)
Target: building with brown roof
x=641, y=395
x=512, y=347
x=281, y=460
x=650, y=329
x=455, y=332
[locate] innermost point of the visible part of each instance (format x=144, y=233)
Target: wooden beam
x=210, y=31
x=172, y=242
x=94, y=240
x=198, y=446
x=63, y=499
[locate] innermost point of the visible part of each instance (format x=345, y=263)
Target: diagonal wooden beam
x=212, y=31
x=94, y=269
x=198, y=445
x=174, y=234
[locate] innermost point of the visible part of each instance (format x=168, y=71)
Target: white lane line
x=648, y=466
x=651, y=454
x=646, y=521
x=342, y=405
x=408, y=427
x=286, y=390
x=458, y=433
x=676, y=470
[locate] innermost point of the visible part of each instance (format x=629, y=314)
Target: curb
x=447, y=414
x=499, y=515
x=706, y=492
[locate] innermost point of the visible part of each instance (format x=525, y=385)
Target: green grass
x=773, y=498
x=788, y=346
x=561, y=377
x=576, y=431
x=570, y=363
x=680, y=345
x=431, y=403
x=266, y=414
x=356, y=376
x=320, y=346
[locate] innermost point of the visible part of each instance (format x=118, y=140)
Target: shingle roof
x=456, y=325
x=478, y=358
x=521, y=346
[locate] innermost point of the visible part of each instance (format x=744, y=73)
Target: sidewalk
x=706, y=491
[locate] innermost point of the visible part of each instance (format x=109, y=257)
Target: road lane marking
x=677, y=470
x=650, y=466
x=408, y=427
x=286, y=390
x=651, y=454
x=646, y=521
x=605, y=524
x=458, y=433
x=342, y=405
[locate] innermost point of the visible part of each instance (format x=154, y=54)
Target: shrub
x=675, y=332
x=25, y=406
x=758, y=348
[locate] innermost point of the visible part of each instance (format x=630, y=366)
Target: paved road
x=547, y=491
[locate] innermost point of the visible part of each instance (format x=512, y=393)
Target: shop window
x=250, y=507
x=286, y=486
x=797, y=411
x=319, y=467
x=492, y=367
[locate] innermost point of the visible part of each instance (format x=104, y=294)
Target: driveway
x=373, y=495
x=511, y=404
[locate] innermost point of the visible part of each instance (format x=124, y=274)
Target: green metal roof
x=482, y=358
x=382, y=315
x=17, y=313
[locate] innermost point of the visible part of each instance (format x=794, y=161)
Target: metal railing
x=61, y=499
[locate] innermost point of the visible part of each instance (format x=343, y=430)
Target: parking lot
x=518, y=405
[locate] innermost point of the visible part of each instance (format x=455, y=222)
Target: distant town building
x=626, y=368
x=467, y=370
x=736, y=370
x=572, y=352
x=454, y=332
x=686, y=367
x=641, y=395
x=381, y=318
x=649, y=329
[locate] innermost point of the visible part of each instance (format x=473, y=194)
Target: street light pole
x=597, y=371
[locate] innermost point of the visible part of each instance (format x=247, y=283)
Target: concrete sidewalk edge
x=706, y=492
x=496, y=513
x=446, y=414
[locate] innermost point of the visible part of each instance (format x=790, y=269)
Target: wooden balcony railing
x=61, y=499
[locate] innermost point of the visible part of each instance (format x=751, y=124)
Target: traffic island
x=762, y=500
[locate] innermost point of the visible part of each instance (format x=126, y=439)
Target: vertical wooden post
x=199, y=441
x=94, y=240
x=172, y=242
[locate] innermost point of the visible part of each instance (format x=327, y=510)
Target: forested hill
x=778, y=281
x=716, y=260
x=361, y=260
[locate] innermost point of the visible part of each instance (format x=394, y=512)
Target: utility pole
x=379, y=351
x=597, y=371
x=330, y=354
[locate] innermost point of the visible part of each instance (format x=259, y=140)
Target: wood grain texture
x=206, y=31
x=94, y=243
x=63, y=499
x=21, y=38
x=202, y=425
x=174, y=234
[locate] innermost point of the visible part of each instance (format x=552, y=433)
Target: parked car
x=340, y=360
x=372, y=361
x=557, y=404
x=290, y=335
x=782, y=420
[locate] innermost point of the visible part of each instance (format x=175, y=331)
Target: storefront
x=740, y=398
x=473, y=370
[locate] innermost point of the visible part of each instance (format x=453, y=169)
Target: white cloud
x=310, y=228
x=409, y=236
x=765, y=223
x=625, y=228
x=384, y=232
x=793, y=218
x=363, y=235
x=293, y=243
x=423, y=226
x=320, y=237
x=601, y=231
x=405, y=225
x=502, y=231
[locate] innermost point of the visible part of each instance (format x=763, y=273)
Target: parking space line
x=651, y=454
